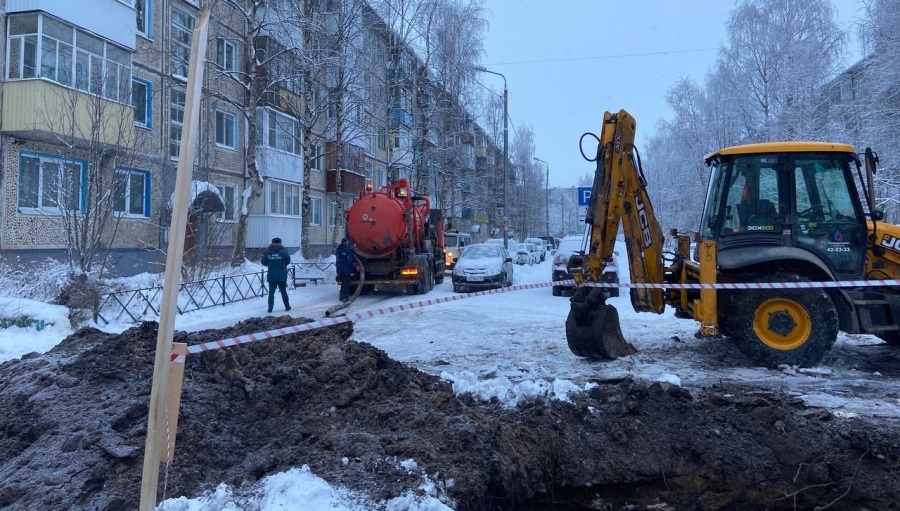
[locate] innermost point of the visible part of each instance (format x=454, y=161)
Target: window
x=142, y=101
x=226, y=54
x=382, y=137
x=316, y=211
x=318, y=162
x=131, y=193
x=182, y=33
x=284, y=198
x=177, y=114
x=49, y=183
x=335, y=213
x=42, y=46
x=226, y=129
x=228, y=194
x=284, y=133
x=144, y=10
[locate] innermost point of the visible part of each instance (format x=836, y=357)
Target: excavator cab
x=790, y=202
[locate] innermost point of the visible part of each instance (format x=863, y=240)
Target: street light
x=505, y=145
x=546, y=195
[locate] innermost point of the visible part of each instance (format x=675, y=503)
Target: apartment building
x=92, y=111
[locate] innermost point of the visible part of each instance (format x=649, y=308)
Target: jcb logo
x=889, y=241
x=645, y=223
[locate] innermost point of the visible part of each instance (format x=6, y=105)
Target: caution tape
x=741, y=285
x=383, y=311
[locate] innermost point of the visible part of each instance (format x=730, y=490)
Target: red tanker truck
x=398, y=239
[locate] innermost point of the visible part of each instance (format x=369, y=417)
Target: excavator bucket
x=592, y=328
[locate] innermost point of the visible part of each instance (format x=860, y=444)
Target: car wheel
x=457, y=288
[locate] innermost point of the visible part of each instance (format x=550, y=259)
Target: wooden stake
x=168, y=309
x=173, y=401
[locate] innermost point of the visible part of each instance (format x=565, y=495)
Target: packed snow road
x=512, y=344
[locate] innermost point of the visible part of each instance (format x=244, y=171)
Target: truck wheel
x=557, y=290
x=772, y=327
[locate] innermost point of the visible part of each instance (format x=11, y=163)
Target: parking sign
x=584, y=195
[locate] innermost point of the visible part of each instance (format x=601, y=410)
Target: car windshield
x=480, y=252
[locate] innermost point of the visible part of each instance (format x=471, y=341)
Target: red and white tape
x=383, y=311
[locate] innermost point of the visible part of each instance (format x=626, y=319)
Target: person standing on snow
x=345, y=266
x=277, y=260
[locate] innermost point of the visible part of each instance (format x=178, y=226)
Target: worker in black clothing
x=345, y=266
x=277, y=259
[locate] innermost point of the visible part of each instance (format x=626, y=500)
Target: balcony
x=43, y=110
x=351, y=182
x=116, y=23
x=400, y=116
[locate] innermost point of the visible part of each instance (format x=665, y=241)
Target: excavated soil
x=73, y=425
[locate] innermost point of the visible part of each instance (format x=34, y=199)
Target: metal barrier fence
x=143, y=304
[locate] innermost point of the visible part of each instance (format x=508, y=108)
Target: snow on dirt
x=472, y=404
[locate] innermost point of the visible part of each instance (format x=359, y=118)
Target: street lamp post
x=505, y=146
x=546, y=195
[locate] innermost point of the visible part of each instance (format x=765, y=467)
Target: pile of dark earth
x=73, y=424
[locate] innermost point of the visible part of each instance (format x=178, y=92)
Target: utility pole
x=546, y=195
x=505, y=148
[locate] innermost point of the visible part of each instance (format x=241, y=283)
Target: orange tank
x=377, y=222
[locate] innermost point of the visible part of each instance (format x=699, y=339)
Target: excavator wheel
x=774, y=327
x=592, y=328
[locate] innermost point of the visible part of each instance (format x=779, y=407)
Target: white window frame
x=315, y=211
x=223, y=216
x=278, y=136
x=145, y=198
x=180, y=42
x=283, y=198
x=176, y=125
x=226, y=63
x=76, y=59
x=335, y=214
x=62, y=161
x=148, y=19
x=148, y=101
x=318, y=157
x=229, y=120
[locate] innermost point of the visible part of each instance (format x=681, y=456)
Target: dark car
x=483, y=266
x=575, y=244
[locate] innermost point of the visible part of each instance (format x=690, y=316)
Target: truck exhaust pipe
x=592, y=327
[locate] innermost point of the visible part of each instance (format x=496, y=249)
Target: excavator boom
x=618, y=196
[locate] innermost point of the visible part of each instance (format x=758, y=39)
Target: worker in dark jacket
x=277, y=259
x=345, y=267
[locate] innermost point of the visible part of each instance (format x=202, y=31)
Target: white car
x=541, y=247
x=524, y=254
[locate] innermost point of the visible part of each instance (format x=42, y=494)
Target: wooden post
x=173, y=400
x=158, y=392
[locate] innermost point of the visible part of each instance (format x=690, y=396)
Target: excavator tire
x=774, y=327
x=592, y=328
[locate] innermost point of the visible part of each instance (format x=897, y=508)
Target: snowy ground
x=512, y=346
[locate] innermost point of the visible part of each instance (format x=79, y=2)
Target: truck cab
x=454, y=243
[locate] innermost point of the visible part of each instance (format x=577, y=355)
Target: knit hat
x=343, y=240
x=276, y=240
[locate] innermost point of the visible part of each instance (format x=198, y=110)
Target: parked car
x=483, y=266
x=524, y=254
x=567, y=246
x=611, y=274
x=541, y=248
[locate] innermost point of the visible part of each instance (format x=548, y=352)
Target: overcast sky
x=566, y=62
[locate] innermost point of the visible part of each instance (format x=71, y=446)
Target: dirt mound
x=73, y=427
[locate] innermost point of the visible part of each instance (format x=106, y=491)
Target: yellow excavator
x=787, y=254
